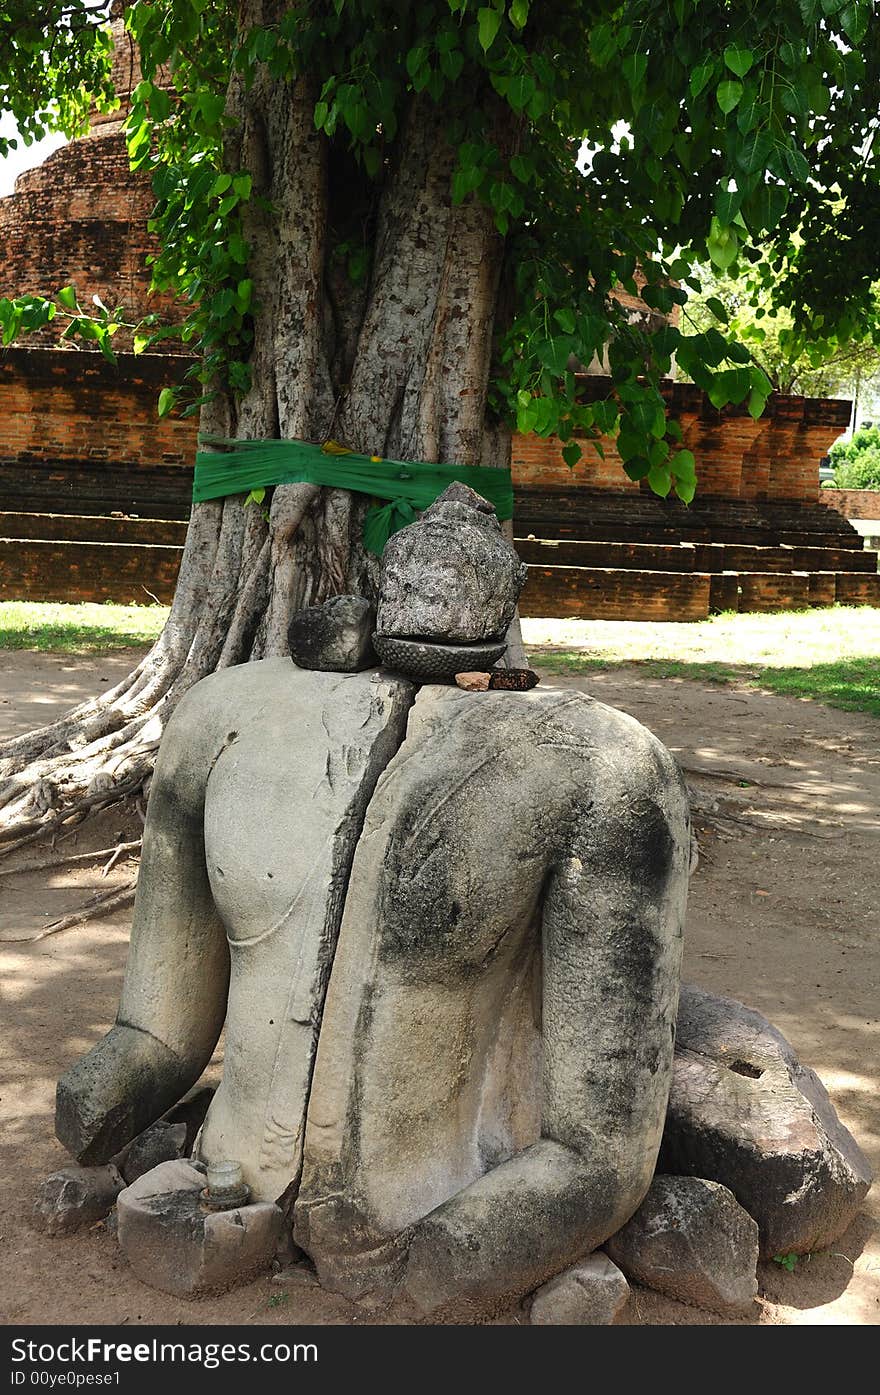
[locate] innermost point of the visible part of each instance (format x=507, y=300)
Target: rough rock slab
x=161, y=1142
x=590, y=1293
x=335, y=637
x=690, y=1238
x=172, y=1243
x=76, y=1197
x=451, y=576
x=743, y=1111
x=191, y=1110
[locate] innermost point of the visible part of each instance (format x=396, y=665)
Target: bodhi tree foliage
x=401, y=226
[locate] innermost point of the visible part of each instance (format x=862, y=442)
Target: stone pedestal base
x=173, y=1243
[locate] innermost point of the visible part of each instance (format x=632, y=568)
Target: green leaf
x=67, y=297
x=465, y=181
x=520, y=91
x=452, y=63
x=855, y=19
x=416, y=59
x=727, y=205
x=727, y=95
x=660, y=480
x=167, y=399
x=797, y=163
x=488, y=24
x=718, y=309
x=755, y=152
x=554, y=353
x=685, y=489
x=683, y=465
x=519, y=13
x=739, y=60
x=571, y=454
x=242, y=185
x=603, y=44
x=722, y=245
x=522, y=168
x=765, y=207
x=699, y=77
x=211, y=105
x=634, y=67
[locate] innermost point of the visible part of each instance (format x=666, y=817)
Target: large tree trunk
x=397, y=365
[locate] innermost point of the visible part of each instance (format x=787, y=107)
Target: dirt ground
x=782, y=915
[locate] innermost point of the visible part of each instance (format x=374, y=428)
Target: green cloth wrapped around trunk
x=238, y=467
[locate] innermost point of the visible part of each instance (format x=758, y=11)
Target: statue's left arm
x=613, y=914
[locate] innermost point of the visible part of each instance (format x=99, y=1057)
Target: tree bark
x=397, y=366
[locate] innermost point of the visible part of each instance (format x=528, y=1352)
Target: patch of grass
x=852, y=684
x=831, y=656
x=78, y=629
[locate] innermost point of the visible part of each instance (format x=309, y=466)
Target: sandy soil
x=783, y=915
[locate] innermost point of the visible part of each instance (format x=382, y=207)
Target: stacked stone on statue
x=448, y=591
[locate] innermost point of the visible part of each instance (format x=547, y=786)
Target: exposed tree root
x=48, y=864
x=103, y=905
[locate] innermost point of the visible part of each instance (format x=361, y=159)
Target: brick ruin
x=760, y=534
x=94, y=488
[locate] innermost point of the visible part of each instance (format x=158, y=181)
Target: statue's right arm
x=174, y=995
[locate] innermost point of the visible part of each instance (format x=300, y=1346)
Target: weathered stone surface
x=430, y=662
x=517, y=680
x=161, y=1142
x=427, y=1164
x=76, y=1197
x=451, y=576
x=592, y=1292
x=335, y=637
x=509, y=886
x=172, y=1243
x=744, y=1111
x=262, y=781
x=472, y=682
x=691, y=1238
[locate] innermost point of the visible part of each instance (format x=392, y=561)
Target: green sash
x=409, y=486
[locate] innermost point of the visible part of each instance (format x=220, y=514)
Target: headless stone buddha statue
x=443, y=929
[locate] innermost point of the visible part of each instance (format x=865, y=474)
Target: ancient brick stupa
x=80, y=439
x=80, y=218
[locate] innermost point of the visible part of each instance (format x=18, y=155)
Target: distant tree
x=857, y=462
x=744, y=306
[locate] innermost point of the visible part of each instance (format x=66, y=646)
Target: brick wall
x=774, y=458
x=768, y=591
x=87, y=571
x=572, y=592
x=852, y=503
x=59, y=406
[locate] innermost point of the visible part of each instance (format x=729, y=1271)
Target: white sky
x=25, y=157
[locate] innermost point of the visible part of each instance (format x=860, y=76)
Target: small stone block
x=592, y=1293
x=76, y=1197
x=473, y=682
x=690, y=1238
x=161, y=1142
